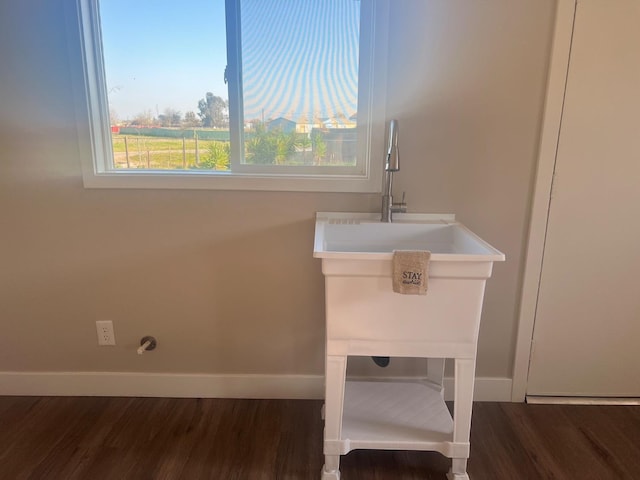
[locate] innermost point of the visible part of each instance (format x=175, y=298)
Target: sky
x=163, y=54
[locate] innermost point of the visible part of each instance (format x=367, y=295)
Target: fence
x=220, y=135
x=149, y=152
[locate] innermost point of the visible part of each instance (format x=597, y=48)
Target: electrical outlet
x=105, y=332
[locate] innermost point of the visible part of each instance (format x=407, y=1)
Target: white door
x=586, y=339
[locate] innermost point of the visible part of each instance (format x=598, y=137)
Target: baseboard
x=125, y=384
x=547, y=400
x=486, y=389
x=178, y=385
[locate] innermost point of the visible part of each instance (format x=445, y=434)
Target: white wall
x=226, y=280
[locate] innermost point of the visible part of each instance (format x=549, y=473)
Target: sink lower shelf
x=395, y=416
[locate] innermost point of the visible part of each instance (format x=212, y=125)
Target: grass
x=164, y=153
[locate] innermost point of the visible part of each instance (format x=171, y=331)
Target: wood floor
x=139, y=438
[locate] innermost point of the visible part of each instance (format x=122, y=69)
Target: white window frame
x=86, y=56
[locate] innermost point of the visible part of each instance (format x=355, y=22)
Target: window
x=235, y=94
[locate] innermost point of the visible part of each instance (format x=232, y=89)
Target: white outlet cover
x=106, y=335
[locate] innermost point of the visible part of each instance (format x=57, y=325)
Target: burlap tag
x=410, y=272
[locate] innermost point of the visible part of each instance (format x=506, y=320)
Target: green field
x=135, y=152
x=154, y=152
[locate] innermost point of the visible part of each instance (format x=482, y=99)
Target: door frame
x=547, y=154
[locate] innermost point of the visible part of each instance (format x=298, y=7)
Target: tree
x=268, y=147
x=170, y=118
x=217, y=157
x=190, y=120
x=285, y=145
x=213, y=111
x=114, y=119
x=143, y=119
x=303, y=142
x=318, y=146
x=176, y=118
x=261, y=147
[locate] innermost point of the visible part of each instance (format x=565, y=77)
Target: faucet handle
x=400, y=207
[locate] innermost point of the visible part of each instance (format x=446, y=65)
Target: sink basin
x=363, y=236
x=356, y=251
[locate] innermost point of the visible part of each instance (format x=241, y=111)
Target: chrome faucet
x=391, y=164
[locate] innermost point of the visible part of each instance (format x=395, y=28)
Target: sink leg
x=457, y=476
x=336, y=368
x=462, y=407
x=330, y=470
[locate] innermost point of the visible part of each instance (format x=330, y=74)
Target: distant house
x=283, y=124
x=306, y=126
x=328, y=122
x=338, y=122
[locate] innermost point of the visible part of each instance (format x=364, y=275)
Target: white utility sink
x=364, y=317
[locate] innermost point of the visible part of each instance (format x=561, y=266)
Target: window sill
x=157, y=179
